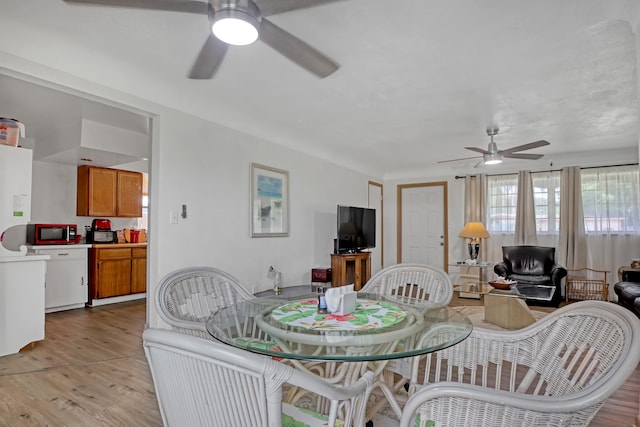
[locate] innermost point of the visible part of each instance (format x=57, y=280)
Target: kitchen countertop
x=70, y=245
x=25, y=258
x=118, y=245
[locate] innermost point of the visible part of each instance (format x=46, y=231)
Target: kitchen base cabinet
x=117, y=272
x=67, y=278
x=138, y=270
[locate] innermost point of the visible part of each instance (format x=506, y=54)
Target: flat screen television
x=356, y=229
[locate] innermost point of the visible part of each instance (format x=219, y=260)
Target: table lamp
x=474, y=231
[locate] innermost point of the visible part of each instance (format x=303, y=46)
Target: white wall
x=207, y=167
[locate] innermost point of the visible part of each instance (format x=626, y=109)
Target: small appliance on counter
x=100, y=232
x=52, y=234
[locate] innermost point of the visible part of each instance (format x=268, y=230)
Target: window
x=502, y=200
x=610, y=200
x=546, y=198
x=143, y=222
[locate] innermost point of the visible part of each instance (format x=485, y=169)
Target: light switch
x=173, y=217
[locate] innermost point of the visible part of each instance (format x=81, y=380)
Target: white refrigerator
x=22, y=277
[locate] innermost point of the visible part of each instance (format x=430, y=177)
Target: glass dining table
x=380, y=328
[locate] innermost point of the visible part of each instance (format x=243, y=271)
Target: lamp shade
x=474, y=230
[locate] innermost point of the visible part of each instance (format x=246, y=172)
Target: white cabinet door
x=66, y=280
x=22, y=302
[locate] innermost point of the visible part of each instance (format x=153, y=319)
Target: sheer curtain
x=501, y=214
x=612, y=221
x=525, y=230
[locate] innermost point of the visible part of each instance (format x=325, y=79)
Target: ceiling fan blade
x=457, y=160
x=522, y=156
x=188, y=6
x=528, y=146
x=296, y=50
x=273, y=7
x=478, y=150
x=209, y=58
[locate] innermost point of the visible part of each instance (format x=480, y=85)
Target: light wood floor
x=91, y=371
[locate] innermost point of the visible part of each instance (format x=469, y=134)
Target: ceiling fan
x=227, y=17
x=492, y=155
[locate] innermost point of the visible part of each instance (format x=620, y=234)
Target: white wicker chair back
x=187, y=297
x=416, y=280
x=201, y=383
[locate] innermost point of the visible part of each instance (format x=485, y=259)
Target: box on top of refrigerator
x=10, y=131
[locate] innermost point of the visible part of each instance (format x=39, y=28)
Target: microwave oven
x=52, y=234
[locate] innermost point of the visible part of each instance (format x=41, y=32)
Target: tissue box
x=347, y=304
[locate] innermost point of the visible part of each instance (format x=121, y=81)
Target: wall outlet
x=173, y=217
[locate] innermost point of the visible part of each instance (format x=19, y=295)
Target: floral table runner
x=367, y=315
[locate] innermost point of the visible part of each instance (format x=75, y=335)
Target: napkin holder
x=342, y=300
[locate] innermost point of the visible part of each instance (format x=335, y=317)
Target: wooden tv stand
x=351, y=268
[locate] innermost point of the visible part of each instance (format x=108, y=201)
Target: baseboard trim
x=114, y=300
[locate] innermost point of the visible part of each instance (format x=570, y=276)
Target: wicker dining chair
x=187, y=297
x=555, y=372
x=200, y=382
x=406, y=280
x=412, y=280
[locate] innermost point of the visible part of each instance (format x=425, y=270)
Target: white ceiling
x=419, y=79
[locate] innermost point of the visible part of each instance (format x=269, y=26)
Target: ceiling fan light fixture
x=235, y=27
x=492, y=158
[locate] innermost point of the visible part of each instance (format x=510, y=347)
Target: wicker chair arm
x=321, y=387
x=496, y=407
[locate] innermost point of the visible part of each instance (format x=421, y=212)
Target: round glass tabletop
x=381, y=328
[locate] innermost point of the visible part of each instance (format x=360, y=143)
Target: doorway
x=375, y=201
x=422, y=220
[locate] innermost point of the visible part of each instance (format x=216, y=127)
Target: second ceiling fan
x=247, y=14
x=492, y=155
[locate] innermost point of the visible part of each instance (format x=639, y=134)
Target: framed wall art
x=269, y=201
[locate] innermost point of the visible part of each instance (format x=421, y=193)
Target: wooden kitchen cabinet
x=117, y=270
x=129, y=194
x=108, y=192
x=138, y=270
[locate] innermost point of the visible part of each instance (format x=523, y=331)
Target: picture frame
x=269, y=201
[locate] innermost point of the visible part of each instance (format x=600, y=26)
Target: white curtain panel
x=475, y=198
x=475, y=205
x=525, y=233
x=571, y=252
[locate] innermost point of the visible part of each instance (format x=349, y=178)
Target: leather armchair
x=628, y=289
x=531, y=267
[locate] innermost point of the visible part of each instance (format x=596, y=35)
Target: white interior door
x=375, y=201
x=422, y=224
